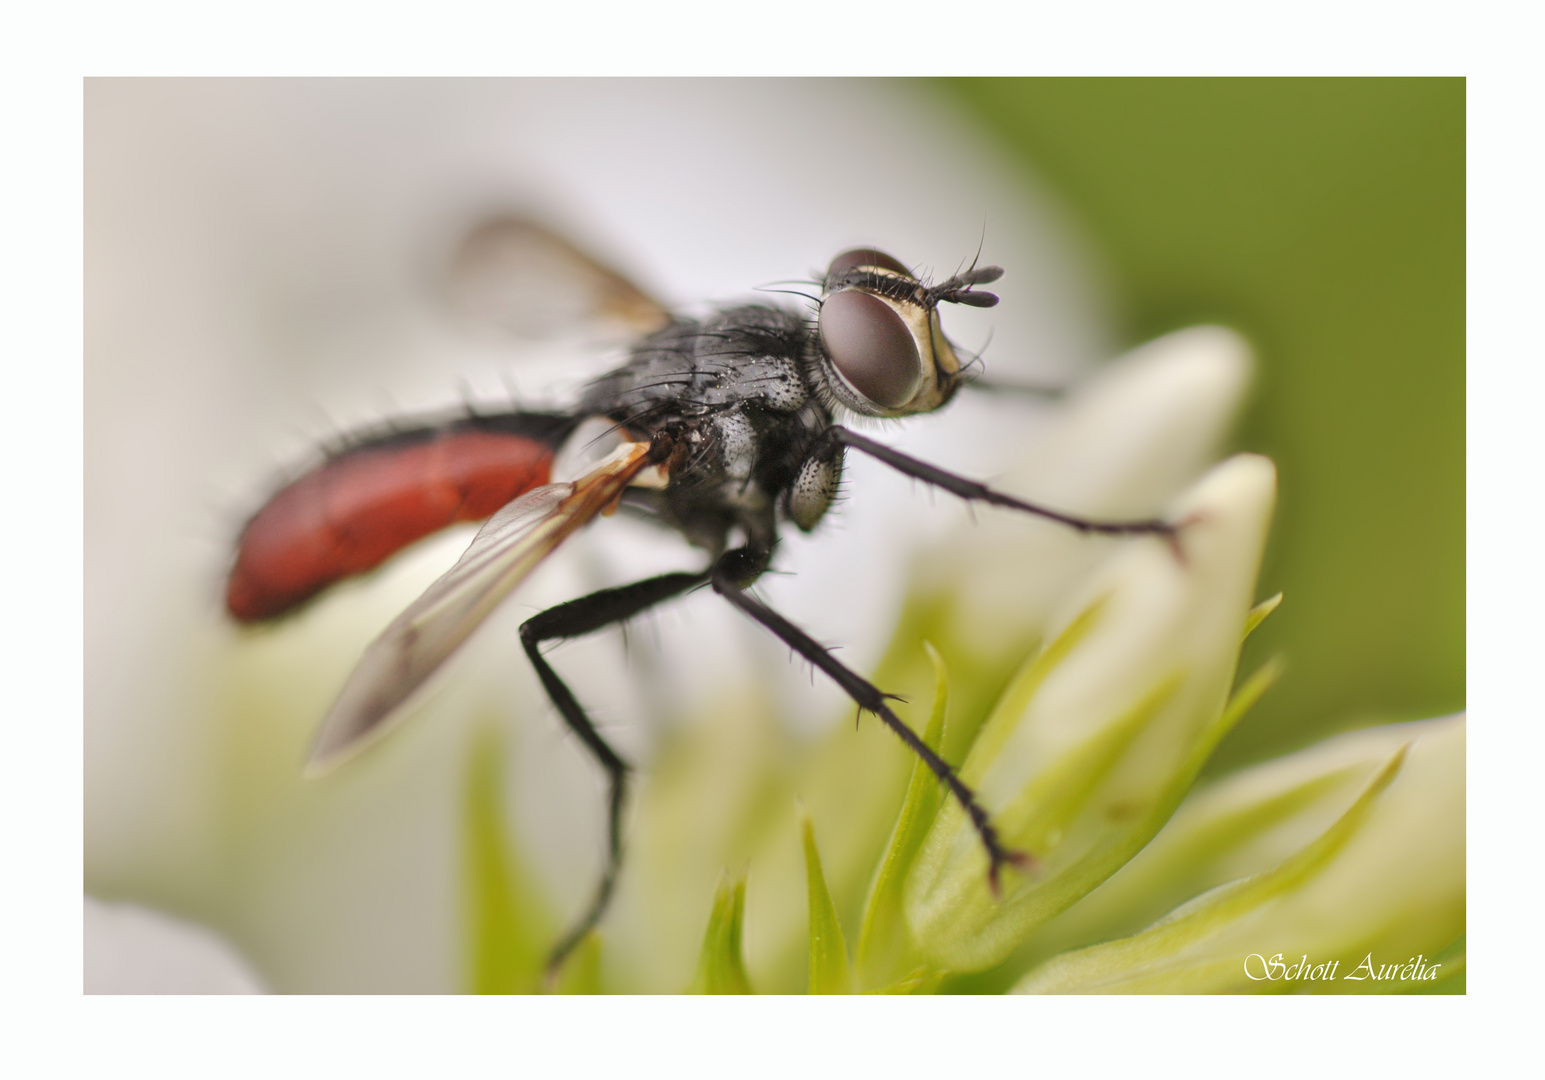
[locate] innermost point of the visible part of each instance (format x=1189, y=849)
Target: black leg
x=977, y=492
x=573, y=619
x=730, y=575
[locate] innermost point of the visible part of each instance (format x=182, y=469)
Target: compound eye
x=871, y=347
x=852, y=260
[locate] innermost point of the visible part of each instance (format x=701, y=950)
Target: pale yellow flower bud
x=1100, y=734
x=1351, y=856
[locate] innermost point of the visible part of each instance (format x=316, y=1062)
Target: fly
x=721, y=427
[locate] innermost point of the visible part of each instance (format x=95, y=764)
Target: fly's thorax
x=752, y=357
x=746, y=355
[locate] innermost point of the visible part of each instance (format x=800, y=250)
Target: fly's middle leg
x=607, y=607
x=730, y=577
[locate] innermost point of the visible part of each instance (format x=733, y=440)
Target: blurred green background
x=1323, y=218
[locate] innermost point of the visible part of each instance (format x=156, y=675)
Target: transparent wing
x=506, y=549
x=513, y=273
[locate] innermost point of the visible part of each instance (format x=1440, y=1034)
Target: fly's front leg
x=736, y=570
x=573, y=619
x=979, y=492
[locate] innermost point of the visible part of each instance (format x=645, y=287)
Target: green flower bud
x=1342, y=869
x=1101, y=732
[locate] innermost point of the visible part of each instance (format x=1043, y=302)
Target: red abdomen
x=352, y=513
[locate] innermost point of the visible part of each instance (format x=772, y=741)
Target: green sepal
x=1105, y=920
x=1247, y=693
x=509, y=929
x=885, y=950
x=1258, y=614
x=1027, y=681
x=830, y=970
x=1155, y=960
x=919, y=981
x=720, y=967
x=989, y=930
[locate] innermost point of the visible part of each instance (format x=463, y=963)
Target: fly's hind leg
x=607, y=607
x=734, y=572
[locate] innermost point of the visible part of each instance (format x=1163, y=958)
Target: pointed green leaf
x=1035, y=821
x=830, y=971
x=999, y=726
x=1244, y=697
x=509, y=930
x=1161, y=960
x=918, y=981
x=884, y=941
x=1112, y=914
x=1035, y=905
x=720, y=966
x=1259, y=612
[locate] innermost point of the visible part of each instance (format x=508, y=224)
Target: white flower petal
x=1123, y=447
x=133, y=950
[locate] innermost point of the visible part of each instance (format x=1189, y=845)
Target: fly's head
x=881, y=350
